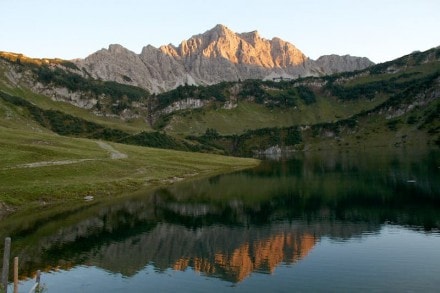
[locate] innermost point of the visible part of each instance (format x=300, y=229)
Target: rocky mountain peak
x=219, y=54
x=148, y=48
x=117, y=49
x=250, y=37
x=219, y=30
x=246, y=48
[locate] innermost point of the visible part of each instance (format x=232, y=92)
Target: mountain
x=392, y=103
x=217, y=55
x=51, y=116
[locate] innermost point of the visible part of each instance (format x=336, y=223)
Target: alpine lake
x=339, y=221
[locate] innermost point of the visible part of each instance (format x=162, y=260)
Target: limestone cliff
x=335, y=63
x=217, y=55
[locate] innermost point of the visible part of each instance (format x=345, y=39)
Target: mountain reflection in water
x=233, y=225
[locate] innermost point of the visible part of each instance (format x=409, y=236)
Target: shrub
x=307, y=95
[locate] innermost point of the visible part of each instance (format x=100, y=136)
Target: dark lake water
x=330, y=222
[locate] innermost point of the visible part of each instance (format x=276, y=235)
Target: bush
x=252, y=88
x=412, y=120
x=211, y=134
x=392, y=125
x=293, y=136
x=307, y=95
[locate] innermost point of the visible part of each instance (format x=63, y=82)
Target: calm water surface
x=331, y=222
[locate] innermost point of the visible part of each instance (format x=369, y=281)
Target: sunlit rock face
x=217, y=55
x=246, y=48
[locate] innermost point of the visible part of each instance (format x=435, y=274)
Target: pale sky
x=378, y=29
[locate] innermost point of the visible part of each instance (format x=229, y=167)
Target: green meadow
x=40, y=167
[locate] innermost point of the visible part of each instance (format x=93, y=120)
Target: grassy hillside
x=231, y=108
x=256, y=104
x=306, y=101
x=395, y=104
x=250, y=116
x=42, y=167
x=409, y=116
x=19, y=86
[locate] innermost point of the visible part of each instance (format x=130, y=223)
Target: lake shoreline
x=7, y=210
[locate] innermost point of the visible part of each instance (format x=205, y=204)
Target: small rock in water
x=88, y=198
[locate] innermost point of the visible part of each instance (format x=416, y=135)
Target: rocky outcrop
x=217, y=55
x=335, y=63
x=183, y=105
x=61, y=94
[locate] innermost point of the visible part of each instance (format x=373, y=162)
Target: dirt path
x=51, y=163
x=114, y=155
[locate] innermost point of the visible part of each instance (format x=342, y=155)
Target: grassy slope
x=403, y=111
x=92, y=172
x=249, y=115
x=374, y=130
x=373, y=133
x=132, y=126
x=326, y=109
